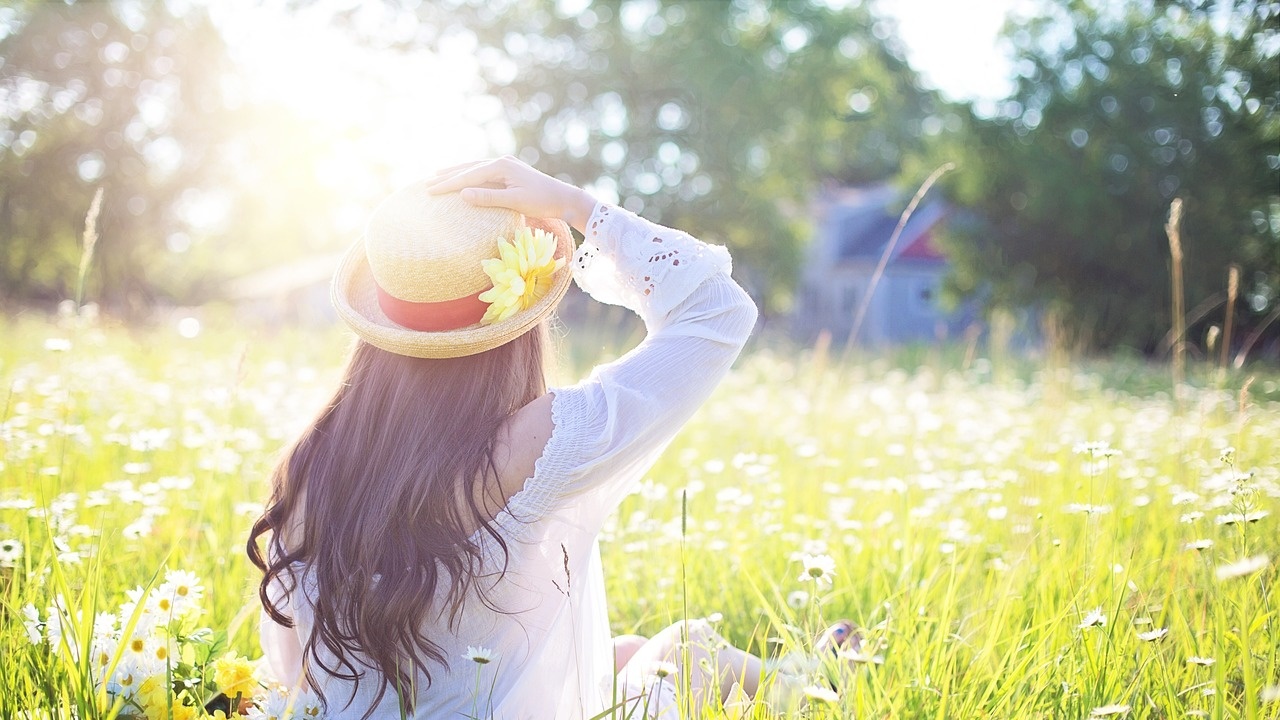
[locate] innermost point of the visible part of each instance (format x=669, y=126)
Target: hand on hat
x=507, y=182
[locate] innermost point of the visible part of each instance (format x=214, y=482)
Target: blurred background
x=240, y=145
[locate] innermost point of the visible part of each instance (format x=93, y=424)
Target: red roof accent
x=923, y=248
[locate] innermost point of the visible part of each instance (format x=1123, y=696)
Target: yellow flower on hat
x=522, y=274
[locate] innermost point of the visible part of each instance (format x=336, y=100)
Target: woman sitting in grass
x=431, y=536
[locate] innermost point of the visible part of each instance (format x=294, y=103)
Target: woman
x=431, y=537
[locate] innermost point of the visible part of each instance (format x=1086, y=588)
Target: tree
x=716, y=117
x=1119, y=109
x=122, y=95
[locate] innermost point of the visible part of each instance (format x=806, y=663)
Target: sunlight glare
x=384, y=117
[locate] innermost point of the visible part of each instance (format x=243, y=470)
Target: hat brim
x=355, y=299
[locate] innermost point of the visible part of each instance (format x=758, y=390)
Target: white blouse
x=551, y=643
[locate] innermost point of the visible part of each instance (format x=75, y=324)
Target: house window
x=923, y=295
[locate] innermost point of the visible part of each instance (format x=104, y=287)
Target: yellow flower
x=234, y=675
x=153, y=695
x=521, y=274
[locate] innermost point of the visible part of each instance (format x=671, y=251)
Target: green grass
x=972, y=531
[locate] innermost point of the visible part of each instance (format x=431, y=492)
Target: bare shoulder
x=520, y=444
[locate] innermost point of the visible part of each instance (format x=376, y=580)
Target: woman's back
x=532, y=591
x=523, y=632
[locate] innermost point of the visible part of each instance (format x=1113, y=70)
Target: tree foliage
x=716, y=117
x=121, y=95
x=1119, y=108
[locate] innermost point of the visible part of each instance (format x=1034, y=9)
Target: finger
x=489, y=197
x=448, y=183
x=486, y=172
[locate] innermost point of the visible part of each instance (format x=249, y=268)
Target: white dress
x=553, y=655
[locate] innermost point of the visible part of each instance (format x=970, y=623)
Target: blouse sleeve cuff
x=650, y=269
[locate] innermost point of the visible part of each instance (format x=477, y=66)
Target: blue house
x=853, y=226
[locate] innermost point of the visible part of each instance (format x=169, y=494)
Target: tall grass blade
x=1228, y=322
x=1173, y=228
x=865, y=302
x=90, y=242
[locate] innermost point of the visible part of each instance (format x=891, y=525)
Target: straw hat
x=419, y=262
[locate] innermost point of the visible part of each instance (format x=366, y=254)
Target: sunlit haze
x=411, y=112
x=381, y=115
x=954, y=44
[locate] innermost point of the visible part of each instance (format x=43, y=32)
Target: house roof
x=862, y=221
x=924, y=247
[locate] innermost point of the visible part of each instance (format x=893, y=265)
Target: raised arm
x=595, y=439
x=697, y=318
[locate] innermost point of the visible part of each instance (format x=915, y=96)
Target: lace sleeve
x=609, y=428
x=647, y=268
x=559, y=462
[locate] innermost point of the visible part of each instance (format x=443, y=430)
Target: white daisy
x=53, y=626
x=821, y=694
x=1094, y=618
x=64, y=553
x=1242, y=568
x=479, y=655
x=1239, y=518
x=663, y=669
x=819, y=569
x=182, y=590
x=128, y=677
x=31, y=621
x=103, y=651
x=274, y=705
x=10, y=553
x=279, y=703
x=147, y=617
x=104, y=627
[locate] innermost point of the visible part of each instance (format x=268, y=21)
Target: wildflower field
x=1015, y=539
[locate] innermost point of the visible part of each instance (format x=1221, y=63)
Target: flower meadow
x=148, y=660
x=1029, y=539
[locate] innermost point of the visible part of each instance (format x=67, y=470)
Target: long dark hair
x=391, y=483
